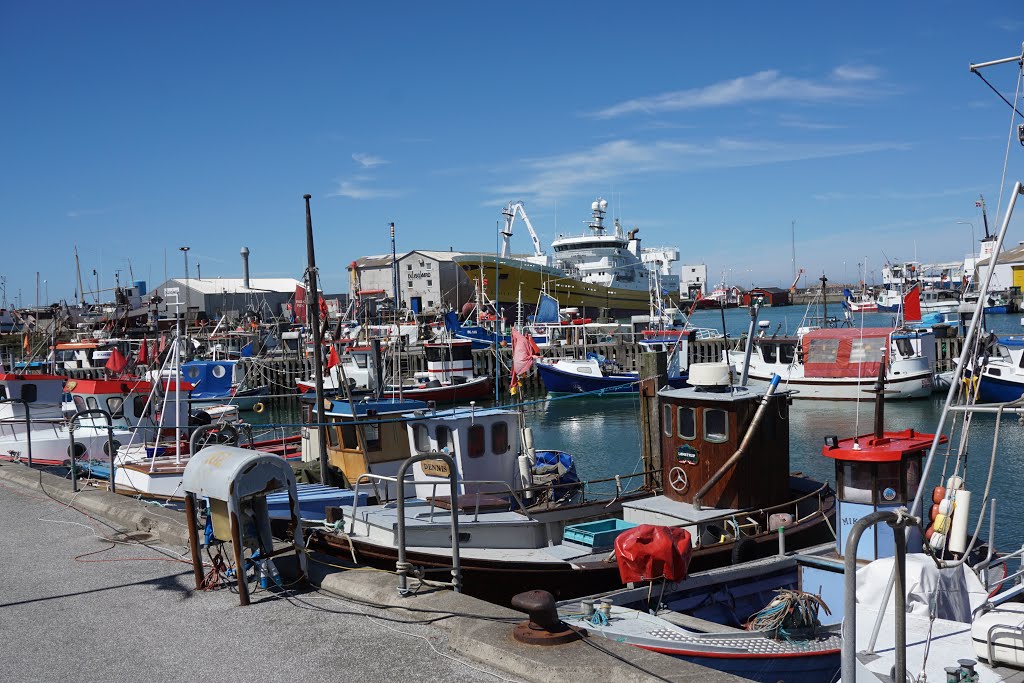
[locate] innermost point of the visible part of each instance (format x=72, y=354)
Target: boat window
x=421, y=438
x=769, y=352
x=912, y=469
x=867, y=351
x=822, y=350
x=349, y=440
x=371, y=433
x=887, y=483
x=139, y=406
x=92, y=403
x=219, y=371
x=687, y=422
x=29, y=393
x=856, y=483
x=716, y=425
x=905, y=347
x=443, y=436
x=361, y=360
x=499, y=437
x=995, y=372
x=115, y=406
x=3, y=391
x=475, y=441
x=584, y=370
x=332, y=436
x=79, y=404
x=193, y=372
x=787, y=352
x=1021, y=363
x=666, y=419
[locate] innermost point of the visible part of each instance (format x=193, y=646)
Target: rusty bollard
x=543, y=627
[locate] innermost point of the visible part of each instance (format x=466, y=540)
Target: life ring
x=258, y=408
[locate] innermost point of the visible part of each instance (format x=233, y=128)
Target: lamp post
x=184, y=250
x=974, y=254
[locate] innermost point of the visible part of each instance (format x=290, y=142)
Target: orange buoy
x=938, y=494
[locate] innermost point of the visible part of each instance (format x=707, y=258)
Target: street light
x=972, y=233
x=184, y=250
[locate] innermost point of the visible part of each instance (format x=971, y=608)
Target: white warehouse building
x=428, y=281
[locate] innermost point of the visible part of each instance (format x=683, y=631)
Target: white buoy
x=958, y=530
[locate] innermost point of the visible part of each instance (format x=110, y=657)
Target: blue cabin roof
x=211, y=378
x=341, y=408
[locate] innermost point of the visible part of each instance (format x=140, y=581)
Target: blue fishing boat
x=217, y=381
x=597, y=374
x=1002, y=377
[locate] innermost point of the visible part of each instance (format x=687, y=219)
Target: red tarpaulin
x=650, y=552
x=845, y=352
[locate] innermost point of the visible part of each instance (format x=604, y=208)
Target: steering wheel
x=677, y=479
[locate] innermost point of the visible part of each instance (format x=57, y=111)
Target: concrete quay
x=98, y=587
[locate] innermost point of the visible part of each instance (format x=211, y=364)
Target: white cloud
x=850, y=72
x=549, y=178
x=368, y=160
x=359, y=187
x=760, y=87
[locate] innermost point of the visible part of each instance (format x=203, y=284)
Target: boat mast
x=313, y=318
x=78, y=270
x=397, y=341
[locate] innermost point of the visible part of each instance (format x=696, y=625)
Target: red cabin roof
x=29, y=377
x=118, y=386
x=889, y=448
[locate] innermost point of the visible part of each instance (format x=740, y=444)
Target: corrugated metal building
x=213, y=297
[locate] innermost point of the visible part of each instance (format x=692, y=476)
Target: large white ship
x=600, y=269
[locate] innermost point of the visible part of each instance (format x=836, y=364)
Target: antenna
x=792, y=226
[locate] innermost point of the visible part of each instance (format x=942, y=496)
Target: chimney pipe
x=245, y=267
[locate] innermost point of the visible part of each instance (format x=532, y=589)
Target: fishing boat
x=219, y=382
x=355, y=366
x=523, y=526
x=840, y=363
x=602, y=269
x=999, y=370
x=859, y=303
x=449, y=376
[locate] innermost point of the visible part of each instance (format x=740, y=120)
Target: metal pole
x=240, y=571
x=901, y=596
x=754, y=308
x=849, y=652
x=313, y=318
x=71, y=453
x=193, y=538
x=110, y=448
x=28, y=431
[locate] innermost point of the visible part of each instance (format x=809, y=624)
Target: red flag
x=299, y=308
x=912, y=304
x=163, y=344
x=24, y=343
x=142, y=358
x=117, y=362
x=323, y=308
x=332, y=358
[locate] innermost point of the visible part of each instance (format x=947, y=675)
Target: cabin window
x=716, y=425
x=856, y=483
x=499, y=437
x=444, y=438
x=92, y=403
x=79, y=404
x=3, y=391
x=912, y=470
x=822, y=351
x=371, y=433
x=868, y=351
x=769, y=352
x=139, y=406
x=219, y=371
x=332, y=436
x=361, y=360
x=887, y=483
x=192, y=372
x=905, y=347
x=787, y=352
x=421, y=438
x=349, y=440
x=666, y=419
x=584, y=370
x=686, y=422
x=475, y=441
x=29, y=393
x=115, y=406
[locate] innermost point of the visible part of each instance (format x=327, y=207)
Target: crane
x=509, y=212
x=799, y=274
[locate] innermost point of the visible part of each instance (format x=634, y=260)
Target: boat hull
x=478, y=387
x=909, y=386
x=499, y=580
x=558, y=381
x=802, y=668
x=531, y=279
x=244, y=400
x=999, y=390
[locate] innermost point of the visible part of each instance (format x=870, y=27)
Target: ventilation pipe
x=245, y=267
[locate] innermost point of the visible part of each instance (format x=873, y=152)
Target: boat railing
x=729, y=518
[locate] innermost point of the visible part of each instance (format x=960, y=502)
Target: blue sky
x=131, y=129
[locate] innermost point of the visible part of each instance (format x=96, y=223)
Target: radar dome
x=604, y=204
x=593, y=207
